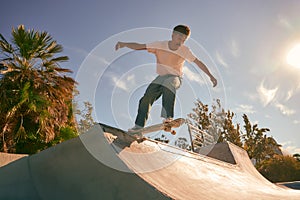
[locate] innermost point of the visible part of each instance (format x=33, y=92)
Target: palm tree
x=35, y=95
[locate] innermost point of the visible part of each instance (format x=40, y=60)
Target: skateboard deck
x=168, y=127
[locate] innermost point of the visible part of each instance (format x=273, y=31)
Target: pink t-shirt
x=168, y=61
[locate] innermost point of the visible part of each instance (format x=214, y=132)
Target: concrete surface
x=69, y=171
x=100, y=165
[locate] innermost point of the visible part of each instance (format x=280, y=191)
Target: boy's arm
x=131, y=45
x=206, y=71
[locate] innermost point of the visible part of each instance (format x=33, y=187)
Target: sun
x=293, y=56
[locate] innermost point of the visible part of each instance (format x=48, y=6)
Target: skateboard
x=167, y=126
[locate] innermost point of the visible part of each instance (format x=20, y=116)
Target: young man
x=170, y=57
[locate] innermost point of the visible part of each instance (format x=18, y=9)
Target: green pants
x=164, y=86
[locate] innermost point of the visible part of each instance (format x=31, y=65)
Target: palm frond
x=60, y=59
x=5, y=46
x=53, y=47
x=3, y=38
x=19, y=37
x=63, y=70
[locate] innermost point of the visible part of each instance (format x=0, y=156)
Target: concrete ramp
x=185, y=175
x=111, y=165
x=70, y=171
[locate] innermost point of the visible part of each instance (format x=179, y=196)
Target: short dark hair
x=182, y=29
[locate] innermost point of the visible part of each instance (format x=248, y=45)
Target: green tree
x=280, y=168
x=216, y=120
x=230, y=132
x=35, y=93
x=84, y=116
x=200, y=116
x=199, y=119
x=215, y=123
x=257, y=144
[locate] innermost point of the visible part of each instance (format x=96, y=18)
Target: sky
x=245, y=44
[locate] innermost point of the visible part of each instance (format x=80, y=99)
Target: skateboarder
x=170, y=57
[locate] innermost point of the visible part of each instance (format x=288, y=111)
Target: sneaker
x=134, y=129
x=168, y=120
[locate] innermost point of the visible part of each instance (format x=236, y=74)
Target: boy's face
x=178, y=38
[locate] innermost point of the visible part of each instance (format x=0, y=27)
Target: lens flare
x=293, y=56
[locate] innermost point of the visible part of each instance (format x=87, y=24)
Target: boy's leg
x=170, y=85
x=153, y=92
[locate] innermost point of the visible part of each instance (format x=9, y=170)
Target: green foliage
x=280, y=168
x=230, y=132
x=200, y=116
x=219, y=123
x=33, y=144
x=35, y=94
x=66, y=133
x=216, y=123
x=84, y=116
x=258, y=145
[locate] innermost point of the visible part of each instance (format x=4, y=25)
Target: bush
x=280, y=168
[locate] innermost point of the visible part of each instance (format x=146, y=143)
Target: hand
x=214, y=81
x=119, y=45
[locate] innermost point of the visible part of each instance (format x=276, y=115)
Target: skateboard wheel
x=173, y=132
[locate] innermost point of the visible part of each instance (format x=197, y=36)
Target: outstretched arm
x=131, y=45
x=206, y=71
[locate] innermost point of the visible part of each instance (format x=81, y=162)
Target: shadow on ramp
x=70, y=171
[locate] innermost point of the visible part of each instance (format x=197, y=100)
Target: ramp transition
x=104, y=165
